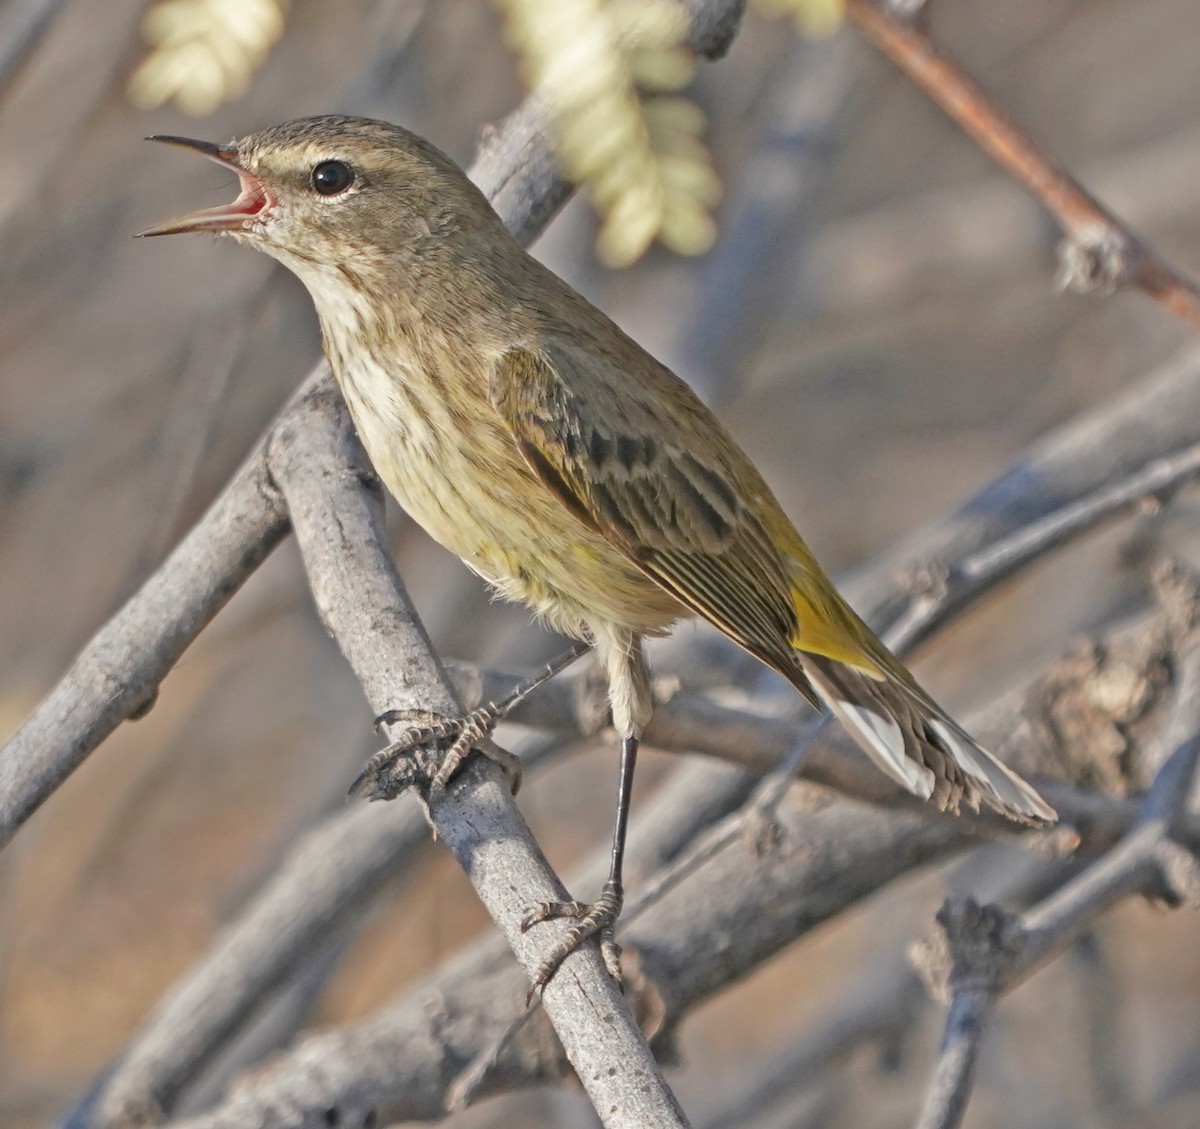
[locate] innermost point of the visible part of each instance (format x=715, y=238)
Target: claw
x=595, y=920
x=361, y=787
x=385, y=777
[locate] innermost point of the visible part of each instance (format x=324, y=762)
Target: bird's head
x=326, y=190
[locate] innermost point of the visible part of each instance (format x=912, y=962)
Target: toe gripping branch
x=432, y=749
x=596, y=919
x=430, y=752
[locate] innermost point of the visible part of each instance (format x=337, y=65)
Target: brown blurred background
x=877, y=324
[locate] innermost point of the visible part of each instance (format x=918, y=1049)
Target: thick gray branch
x=717, y=923
x=117, y=674
x=320, y=466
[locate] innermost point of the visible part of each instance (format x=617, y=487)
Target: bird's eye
x=331, y=177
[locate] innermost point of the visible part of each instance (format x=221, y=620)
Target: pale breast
x=445, y=454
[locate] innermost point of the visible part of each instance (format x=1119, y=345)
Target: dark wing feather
x=639, y=461
x=644, y=472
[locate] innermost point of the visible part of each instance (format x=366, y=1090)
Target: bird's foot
x=431, y=751
x=597, y=919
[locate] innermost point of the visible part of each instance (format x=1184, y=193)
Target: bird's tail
x=913, y=740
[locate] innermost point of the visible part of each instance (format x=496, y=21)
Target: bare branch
x=320, y=467
x=117, y=674
x=984, y=942
x=716, y=924
x=966, y=580
x=1100, y=251
x=1157, y=418
x=704, y=933
x=982, y=951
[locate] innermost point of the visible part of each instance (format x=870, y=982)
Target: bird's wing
x=639, y=463
x=639, y=459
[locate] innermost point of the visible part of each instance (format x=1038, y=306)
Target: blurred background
x=877, y=323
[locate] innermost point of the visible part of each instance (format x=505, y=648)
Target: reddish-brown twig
x=1099, y=251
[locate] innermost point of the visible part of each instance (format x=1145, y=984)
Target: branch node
x=145, y=705
x=975, y=948
x=1179, y=874
x=1095, y=257
x=1177, y=592
x=910, y=13
x=927, y=579
x=1088, y=705
x=763, y=833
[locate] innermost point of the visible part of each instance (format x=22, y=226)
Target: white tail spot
x=993, y=776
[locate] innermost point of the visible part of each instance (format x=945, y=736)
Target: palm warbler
x=560, y=461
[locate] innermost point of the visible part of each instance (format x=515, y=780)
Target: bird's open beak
x=252, y=201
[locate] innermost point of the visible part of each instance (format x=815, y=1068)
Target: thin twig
x=982, y=951
x=957, y=586
x=1156, y=418
x=1100, y=251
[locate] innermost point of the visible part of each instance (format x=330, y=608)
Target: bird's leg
x=599, y=918
x=384, y=777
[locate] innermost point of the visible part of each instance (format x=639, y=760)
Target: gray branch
x=117, y=674
x=320, y=467
x=1157, y=418
x=714, y=925
x=981, y=952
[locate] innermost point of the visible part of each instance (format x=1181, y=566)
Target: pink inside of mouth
x=252, y=199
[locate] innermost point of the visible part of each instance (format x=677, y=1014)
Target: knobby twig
x=1100, y=252
x=886, y=1009
x=982, y=951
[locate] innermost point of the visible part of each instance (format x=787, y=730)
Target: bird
x=570, y=469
